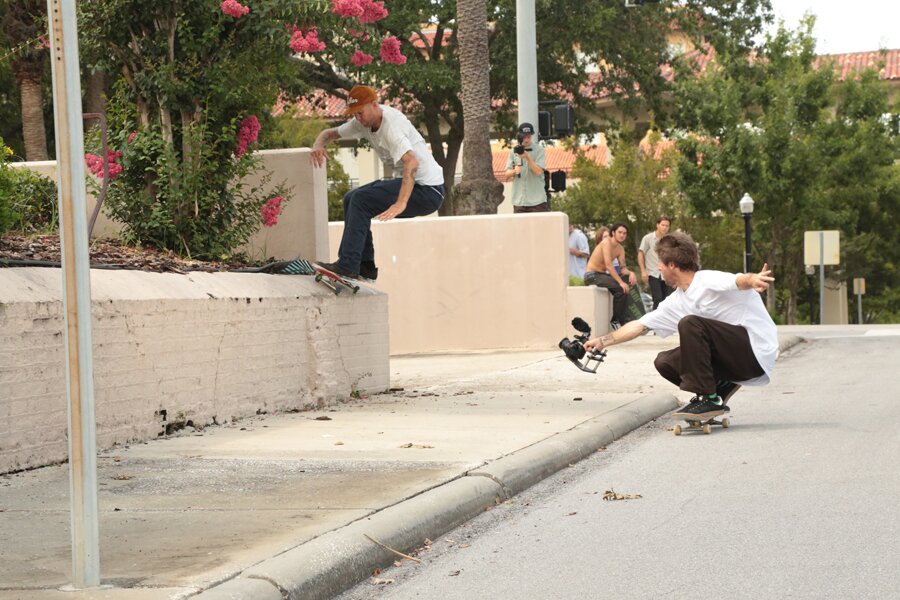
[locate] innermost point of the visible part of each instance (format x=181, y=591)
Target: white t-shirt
x=394, y=138
x=651, y=260
x=715, y=295
x=577, y=264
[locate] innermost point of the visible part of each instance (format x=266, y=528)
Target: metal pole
x=526, y=62
x=859, y=309
x=747, y=242
x=76, y=292
x=821, y=278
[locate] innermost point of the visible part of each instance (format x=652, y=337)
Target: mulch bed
x=43, y=250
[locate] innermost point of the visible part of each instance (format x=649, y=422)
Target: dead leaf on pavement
x=411, y=445
x=122, y=477
x=376, y=572
x=339, y=443
x=397, y=563
x=323, y=418
x=455, y=573
x=572, y=514
x=614, y=495
x=377, y=581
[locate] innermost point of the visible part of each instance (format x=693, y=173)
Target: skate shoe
x=339, y=270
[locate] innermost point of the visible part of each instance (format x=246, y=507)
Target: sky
x=844, y=26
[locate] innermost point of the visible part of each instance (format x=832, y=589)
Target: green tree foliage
x=638, y=189
x=812, y=152
x=192, y=74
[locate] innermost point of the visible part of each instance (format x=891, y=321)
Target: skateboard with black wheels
x=299, y=266
x=334, y=281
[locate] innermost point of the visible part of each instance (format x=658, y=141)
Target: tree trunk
x=479, y=192
x=95, y=93
x=33, y=131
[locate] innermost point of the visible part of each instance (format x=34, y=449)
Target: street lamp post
x=746, y=205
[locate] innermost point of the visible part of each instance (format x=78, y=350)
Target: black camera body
x=576, y=352
x=520, y=145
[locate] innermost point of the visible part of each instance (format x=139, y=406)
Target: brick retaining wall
x=205, y=347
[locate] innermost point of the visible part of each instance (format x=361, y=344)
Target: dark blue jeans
x=370, y=200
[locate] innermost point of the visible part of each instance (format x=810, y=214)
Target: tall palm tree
x=24, y=24
x=479, y=192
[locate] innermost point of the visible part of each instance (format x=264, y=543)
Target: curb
x=340, y=559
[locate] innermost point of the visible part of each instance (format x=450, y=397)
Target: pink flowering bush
x=95, y=164
x=360, y=58
x=270, y=211
x=248, y=133
x=390, y=51
x=307, y=41
x=235, y=9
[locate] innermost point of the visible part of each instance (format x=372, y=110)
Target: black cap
x=526, y=129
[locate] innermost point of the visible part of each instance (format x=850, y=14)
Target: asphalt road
x=800, y=498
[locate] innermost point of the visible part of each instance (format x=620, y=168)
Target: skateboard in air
x=335, y=282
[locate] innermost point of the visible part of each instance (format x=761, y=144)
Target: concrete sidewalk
x=283, y=503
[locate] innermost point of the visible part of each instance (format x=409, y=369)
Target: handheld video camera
x=520, y=146
x=575, y=351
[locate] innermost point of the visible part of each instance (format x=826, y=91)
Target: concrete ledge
x=786, y=342
x=340, y=559
x=521, y=470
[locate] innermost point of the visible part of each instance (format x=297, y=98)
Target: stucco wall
x=203, y=346
x=472, y=283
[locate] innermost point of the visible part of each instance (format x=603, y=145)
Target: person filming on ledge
x=525, y=168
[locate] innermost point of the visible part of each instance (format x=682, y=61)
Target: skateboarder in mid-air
x=419, y=191
x=727, y=337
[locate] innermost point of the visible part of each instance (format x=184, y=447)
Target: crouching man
x=727, y=337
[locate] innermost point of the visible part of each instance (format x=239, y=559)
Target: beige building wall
x=168, y=348
x=472, y=283
x=302, y=228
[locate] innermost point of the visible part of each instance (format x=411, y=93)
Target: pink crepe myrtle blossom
x=131, y=136
x=372, y=12
x=95, y=164
x=248, y=132
x=270, y=211
x=366, y=11
x=360, y=58
x=235, y=9
x=307, y=41
x=390, y=51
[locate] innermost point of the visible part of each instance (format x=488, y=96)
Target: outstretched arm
x=319, y=155
x=755, y=281
x=626, y=333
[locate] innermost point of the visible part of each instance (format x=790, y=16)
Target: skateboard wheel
x=706, y=428
x=318, y=277
x=677, y=430
x=726, y=423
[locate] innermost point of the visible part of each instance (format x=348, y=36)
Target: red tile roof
x=557, y=158
x=847, y=64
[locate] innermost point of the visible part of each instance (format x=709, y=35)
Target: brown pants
x=710, y=351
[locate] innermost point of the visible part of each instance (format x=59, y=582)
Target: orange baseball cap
x=358, y=97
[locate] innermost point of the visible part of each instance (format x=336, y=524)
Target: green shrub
x=28, y=201
x=574, y=280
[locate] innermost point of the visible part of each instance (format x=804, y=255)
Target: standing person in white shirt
x=649, y=262
x=579, y=251
x=419, y=191
x=727, y=337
